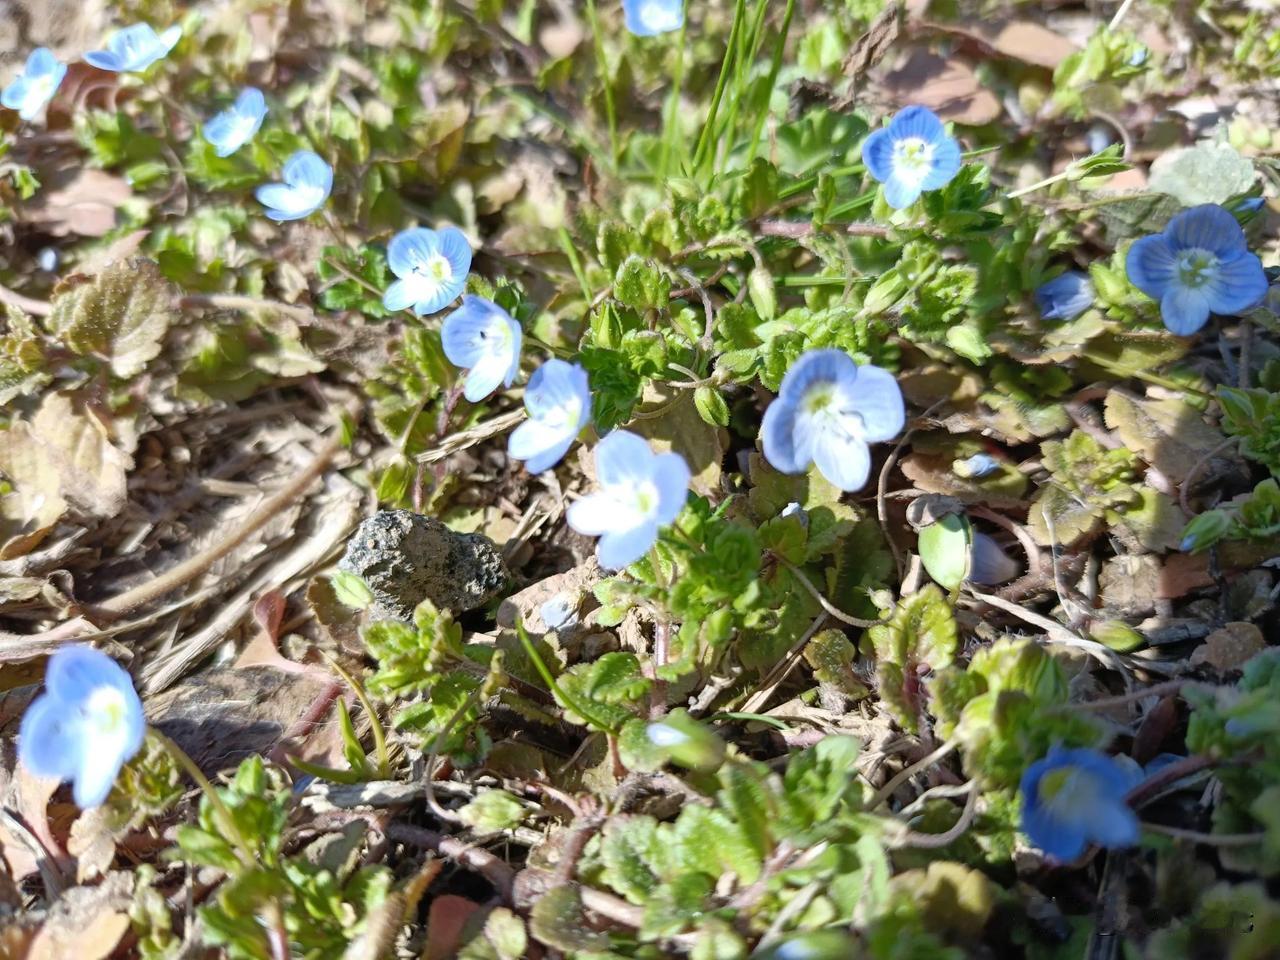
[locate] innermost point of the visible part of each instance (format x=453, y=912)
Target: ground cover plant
x=639, y=479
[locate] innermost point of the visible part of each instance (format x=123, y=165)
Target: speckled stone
x=406, y=558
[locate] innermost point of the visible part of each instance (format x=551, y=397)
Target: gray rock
x=406, y=558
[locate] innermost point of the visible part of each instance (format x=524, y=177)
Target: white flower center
x=912, y=158
x=820, y=405
x=660, y=17
x=435, y=268
x=106, y=710
x=637, y=502
x=1196, y=267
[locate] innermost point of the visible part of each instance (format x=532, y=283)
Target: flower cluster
x=85, y=726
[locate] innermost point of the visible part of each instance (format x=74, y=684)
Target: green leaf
x=492, y=811
x=1206, y=173
x=641, y=284
x=945, y=548
x=557, y=920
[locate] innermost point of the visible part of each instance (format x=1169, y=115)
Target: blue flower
x=1199, y=265
x=975, y=467
x=559, y=405
x=1065, y=297
x=432, y=267
x=234, y=127
x=640, y=491
x=35, y=85
x=828, y=410
x=645, y=18
x=988, y=563
x=1071, y=798
x=911, y=155
x=483, y=337
x=307, y=182
x=135, y=48
x=85, y=725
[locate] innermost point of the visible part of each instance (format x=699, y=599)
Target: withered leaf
x=1168, y=433
x=121, y=315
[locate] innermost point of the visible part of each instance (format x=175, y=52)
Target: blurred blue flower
x=307, y=182
x=85, y=726
x=234, y=127
x=645, y=18
x=1074, y=797
x=640, y=491
x=1199, y=265
x=432, y=267
x=975, y=467
x=559, y=405
x=484, y=338
x=988, y=563
x=135, y=48
x=35, y=86
x=911, y=155
x=1065, y=297
x=560, y=612
x=828, y=410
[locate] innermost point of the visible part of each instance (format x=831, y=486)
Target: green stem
x=744, y=57
x=776, y=65
x=671, y=132
x=603, y=67
x=379, y=735
x=571, y=252
x=247, y=854
x=708, y=128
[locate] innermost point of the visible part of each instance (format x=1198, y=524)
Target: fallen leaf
x=80, y=201
x=446, y=918
x=28, y=514
x=1022, y=40
x=92, y=472
x=870, y=48
x=1169, y=434
x=121, y=314
x=1230, y=647
x=86, y=922
x=1206, y=173
x=948, y=86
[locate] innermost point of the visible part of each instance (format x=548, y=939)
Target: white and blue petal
x=307, y=181
x=671, y=477
x=947, y=161
x=1086, y=802
x=814, y=367
x=844, y=460
x=134, y=48
x=902, y=191
x=49, y=739
x=539, y=445
x=1206, y=227
x=621, y=548
x=1065, y=297
x=35, y=86
x=1150, y=265
x=778, y=439
x=877, y=154
x=917, y=121
x=593, y=514
x=875, y=397
x=647, y=18
x=484, y=337
x=623, y=458
x=231, y=129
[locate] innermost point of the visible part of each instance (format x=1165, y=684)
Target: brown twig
x=1174, y=772
x=37, y=308
x=493, y=869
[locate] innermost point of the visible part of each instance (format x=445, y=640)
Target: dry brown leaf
x=28, y=514
x=948, y=86
x=91, y=471
x=1018, y=39
x=82, y=202
x=870, y=48
x=1231, y=647
x=86, y=923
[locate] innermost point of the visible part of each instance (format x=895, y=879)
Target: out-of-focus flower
x=1065, y=297
x=1074, y=797
x=32, y=89
x=646, y=18
x=235, y=126
x=135, y=48
x=307, y=181
x=85, y=726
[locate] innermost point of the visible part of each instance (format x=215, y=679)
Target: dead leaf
x=1022, y=40
x=86, y=922
x=446, y=918
x=91, y=470
x=80, y=201
x=28, y=514
x=121, y=314
x=870, y=48
x=948, y=86
x=1169, y=434
x=1230, y=647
